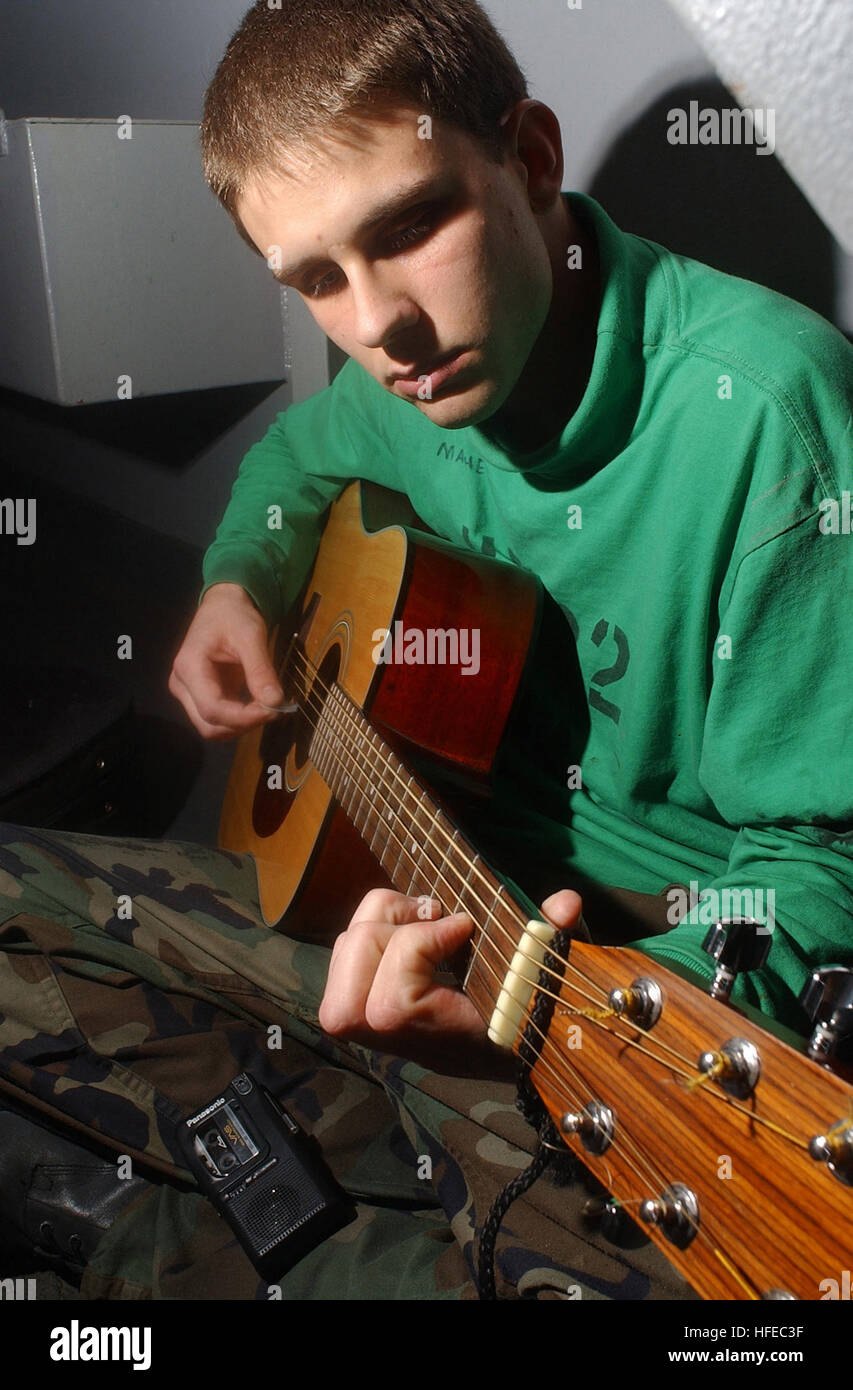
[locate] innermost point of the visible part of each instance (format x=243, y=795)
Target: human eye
x=414, y=231
x=326, y=285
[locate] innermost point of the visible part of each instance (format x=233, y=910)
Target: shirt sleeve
x=270, y=531
x=777, y=762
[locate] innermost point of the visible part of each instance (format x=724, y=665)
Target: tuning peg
x=736, y=1066
x=612, y=1221
x=827, y=998
x=736, y=944
x=595, y=1124
x=641, y=1002
x=675, y=1212
x=835, y=1149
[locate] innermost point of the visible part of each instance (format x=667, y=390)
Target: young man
x=548, y=389
x=655, y=442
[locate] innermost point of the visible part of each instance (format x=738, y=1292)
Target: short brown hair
x=297, y=68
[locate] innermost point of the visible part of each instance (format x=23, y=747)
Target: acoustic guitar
x=730, y=1147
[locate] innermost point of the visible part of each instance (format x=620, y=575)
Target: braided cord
x=533, y=1110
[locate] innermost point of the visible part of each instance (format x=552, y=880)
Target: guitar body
x=312, y=864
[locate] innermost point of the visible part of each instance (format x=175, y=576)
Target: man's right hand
x=223, y=655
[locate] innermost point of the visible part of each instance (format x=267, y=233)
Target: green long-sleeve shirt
x=683, y=521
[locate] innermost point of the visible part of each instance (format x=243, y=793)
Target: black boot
x=57, y=1198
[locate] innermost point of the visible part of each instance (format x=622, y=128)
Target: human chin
x=462, y=408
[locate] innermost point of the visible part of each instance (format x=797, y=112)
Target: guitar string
x=659, y=1045
x=567, y=1079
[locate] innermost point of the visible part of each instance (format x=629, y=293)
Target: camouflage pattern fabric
x=137, y=978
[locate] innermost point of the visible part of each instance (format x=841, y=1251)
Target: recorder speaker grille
x=268, y=1213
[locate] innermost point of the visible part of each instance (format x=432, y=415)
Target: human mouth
x=424, y=382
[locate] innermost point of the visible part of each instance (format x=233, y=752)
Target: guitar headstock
x=730, y=1148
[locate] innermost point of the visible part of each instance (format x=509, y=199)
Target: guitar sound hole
x=287, y=742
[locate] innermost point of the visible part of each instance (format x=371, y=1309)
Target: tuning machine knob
x=736, y=1066
x=594, y=1125
x=835, y=1149
x=612, y=1221
x=675, y=1212
x=641, y=1002
x=827, y=998
x=737, y=944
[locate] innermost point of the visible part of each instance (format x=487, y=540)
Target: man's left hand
x=382, y=990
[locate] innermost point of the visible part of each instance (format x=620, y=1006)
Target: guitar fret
x=389, y=842
x=380, y=808
x=361, y=773
x=318, y=752
x=419, y=876
x=332, y=770
x=401, y=841
x=360, y=817
x=448, y=857
x=414, y=881
x=466, y=885
x=475, y=953
x=328, y=770
x=459, y=866
x=484, y=937
x=494, y=950
x=376, y=829
x=407, y=847
x=351, y=791
x=417, y=834
x=335, y=768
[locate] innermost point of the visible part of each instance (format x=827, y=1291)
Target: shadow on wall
x=728, y=205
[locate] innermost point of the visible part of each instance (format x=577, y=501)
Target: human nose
x=382, y=308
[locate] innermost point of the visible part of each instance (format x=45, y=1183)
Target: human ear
x=533, y=141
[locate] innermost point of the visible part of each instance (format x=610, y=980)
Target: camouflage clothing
x=137, y=978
